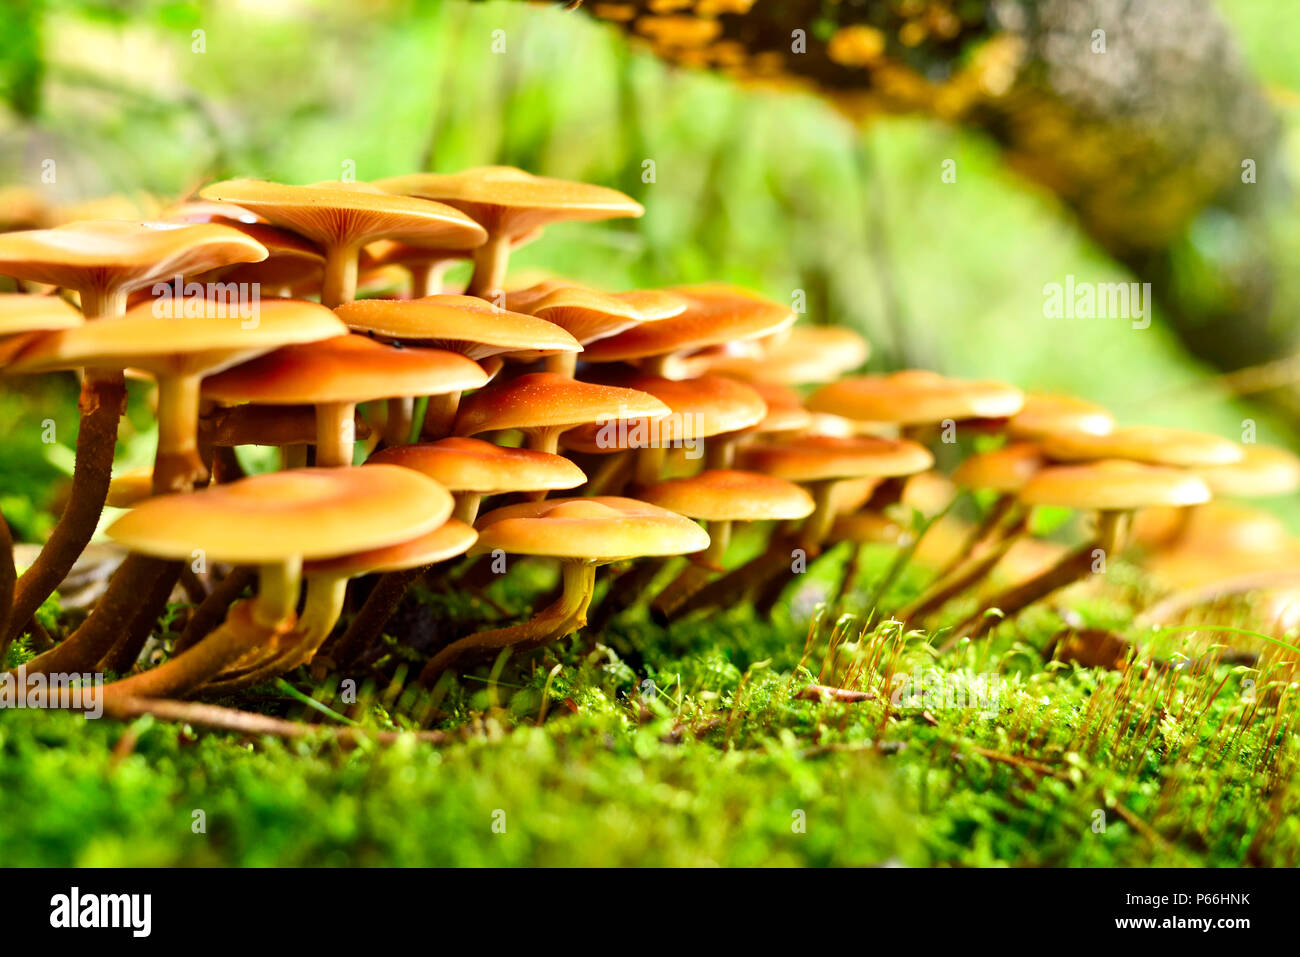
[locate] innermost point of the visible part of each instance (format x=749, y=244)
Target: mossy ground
x=717, y=762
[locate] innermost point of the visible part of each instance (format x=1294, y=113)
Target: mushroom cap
x=1003, y=470
x=192, y=345
x=785, y=411
x=306, y=513
x=130, y=488
x=453, y=537
x=823, y=457
x=1152, y=444
x=807, y=354
x=1044, y=414
x=207, y=211
x=597, y=529
x=729, y=495
x=472, y=465
x=348, y=368
x=291, y=259
x=122, y=255
x=1263, y=472
x=698, y=408
x=350, y=214
x=715, y=313
x=466, y=324
x=20, y=312
x=545, y=400
x=916, y=397
x=589, y=314
x=511, y=202
x=1113, y=485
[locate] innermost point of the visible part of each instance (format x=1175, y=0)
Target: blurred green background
x=773, y=190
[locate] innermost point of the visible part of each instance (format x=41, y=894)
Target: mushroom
x=916, y=397
x=1263, y=471
x=472, y=468
x=22, y=316
x=1043, y=415
x=103, y=262
x=327, y=580
x=715, y=313
x=590, y=315
x=510, y=204
x=1151, y=444
x=334, y=375
x=1111, y=487
x=721, y=497
x=698, y=409
x=179, y=353
x=543, y=404
x=805, y=355
x=463, y=324
x=582, y=533
x=343, y=217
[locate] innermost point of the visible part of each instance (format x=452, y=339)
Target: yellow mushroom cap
x=728, y=495
x=806, y=355
x=349, y=214
x=785, y=411
x=472, y=465
x=545, y=400
x=216, y=337
x=510, y=202
x=590, y=315
x=1113, y=485
x=598, y=529
x=823, y=457
x=128, y=489
x=20, y=312
x=307, y=513
x=1003, y=470
x=1264, y=471
x=122, y=255
x=348, y=368
x=465, y=324
x=453, y=537
x=698, y=408
x=1152, y=444
x=1045, y=414
x=715, y=313
x=916, y=397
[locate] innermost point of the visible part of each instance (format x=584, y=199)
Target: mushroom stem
x=277, y=592
x=982, y=532
x=242, y=631
x=177, y=464
x=426, y=278
x=102, y=303
x=490, y=261
x=1074, y=567
x=103, y=396
x=964, y=574
x=149, y=583
x=562, y=363
x=397, y=430
x=467, y=504
x=440, y=415
x=650, y=464
x=543, y=440
x=720, y=451
x=565, y=616
x=321, y=611
x=697, y=573
x=336, y=433
x=816, y=527
x=339, y=283
x=212, y=609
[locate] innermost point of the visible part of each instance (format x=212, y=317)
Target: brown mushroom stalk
x=564, y=616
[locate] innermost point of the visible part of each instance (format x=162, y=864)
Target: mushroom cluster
x=263, y=315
